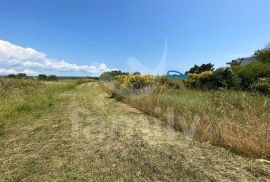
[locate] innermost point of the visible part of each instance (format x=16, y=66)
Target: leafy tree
x=206, y=67
x=224, y=78
x=262, y=85
x=199, y=69
x=11, y=76
x=52, y=78
x=21, y=75
x=136, y=73
x=220, y=78
x=251, y=73
x=42, y=77
x=264, y=54
x=194, y=69
x=110, y=75
x=118, y=72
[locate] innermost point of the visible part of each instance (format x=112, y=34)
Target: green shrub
x=200, y=81
x=52, y=78
x=47, y=78
x=111, y=75
x=224, y=78
x=250, y=73
x=18, y=76
x=136, y=81
x=42, y=77
x=238, y=77
x=106, y=76
x=200, y=69
x=263, y=55
x=11, y=76
x=21, y=75
x=261, y=86
x=136, y=73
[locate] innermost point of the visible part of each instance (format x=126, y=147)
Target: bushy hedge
x=136, y=81
x=111, y=75
x=220, y=78
x=202, y=80
x=47, y=78
x=263, y=55
x=42, y=77
x=250, y=73
x=200, y=69
x=18, y=76
x=262, y=85
x=250, y=77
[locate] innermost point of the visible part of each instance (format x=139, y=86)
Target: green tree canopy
x=136, y=73
x=264, y=54
x=199, y=69
x=110, y=75
x=42, y=77
x=21, y=75
x=52, y=78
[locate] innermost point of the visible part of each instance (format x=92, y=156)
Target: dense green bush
x=261, y=86
x=225, y=78
x=21, y=75
x=106, y=76
x=18, y=76
x=136, y=81
x=52, y=78
x=199, y=69
x=237, y=77
x=42, y=77
x=111, y=75
x=250, y=73
x=11, y=76
x=200, y=81
x=263, y=55
x=47, y=78
x=136, y=73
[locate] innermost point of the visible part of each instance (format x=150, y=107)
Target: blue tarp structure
x=176, y=74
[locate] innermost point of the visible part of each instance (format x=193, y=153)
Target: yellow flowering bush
x=195, y=80
x=201, y=75
x=136, y=81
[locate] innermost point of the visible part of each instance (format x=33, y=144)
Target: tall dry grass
x=236, y=120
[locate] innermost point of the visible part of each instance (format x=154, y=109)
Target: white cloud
x=6, y=71
x=15, y=59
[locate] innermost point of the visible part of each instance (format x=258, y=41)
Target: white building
x=242, y=61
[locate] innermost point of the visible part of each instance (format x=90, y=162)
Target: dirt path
x=87, y=136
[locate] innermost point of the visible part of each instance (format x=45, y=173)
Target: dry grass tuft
x=236, y=120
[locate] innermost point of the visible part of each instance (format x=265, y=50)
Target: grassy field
x=236, y=120
x=19, y=97
x=74, y=132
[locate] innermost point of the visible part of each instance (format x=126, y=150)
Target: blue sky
x=99, y=35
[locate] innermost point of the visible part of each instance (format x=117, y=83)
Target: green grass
x=22, y=96
x=236, y=120
x=113, y=142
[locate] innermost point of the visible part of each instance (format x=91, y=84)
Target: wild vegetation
x=47, y=78
x=19, y=96
x=226, y=106
x=112, y=142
